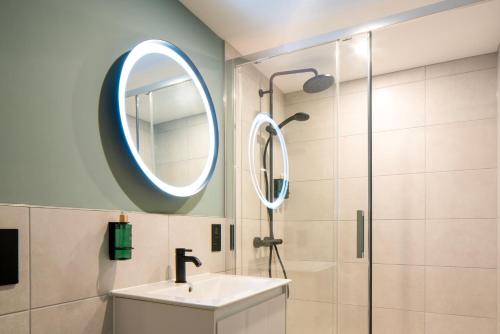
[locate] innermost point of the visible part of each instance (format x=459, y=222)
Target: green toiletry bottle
x=120, y=239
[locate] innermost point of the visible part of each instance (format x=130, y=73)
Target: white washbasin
x=209, y=291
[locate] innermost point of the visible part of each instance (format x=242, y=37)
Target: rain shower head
x=318, y=83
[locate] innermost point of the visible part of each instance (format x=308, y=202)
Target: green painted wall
x=54, y=56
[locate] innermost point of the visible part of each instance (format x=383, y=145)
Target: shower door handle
x=360, y=234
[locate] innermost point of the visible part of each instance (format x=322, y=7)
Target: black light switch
x=9, y=256
x=216, y=237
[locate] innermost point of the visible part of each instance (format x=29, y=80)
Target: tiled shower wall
x=435, y=174
x=65, y=271
x=250, y=214
x=435, y=202
x=310, y=229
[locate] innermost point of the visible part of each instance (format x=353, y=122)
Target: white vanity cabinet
x=268, y=317
x=212, y=304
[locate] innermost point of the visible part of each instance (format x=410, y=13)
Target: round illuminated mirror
x=168, y=118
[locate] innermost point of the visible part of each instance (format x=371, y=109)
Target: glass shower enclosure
x=434, y=149
x=318, y=237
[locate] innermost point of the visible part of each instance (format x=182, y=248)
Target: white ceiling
x=255, y=25
x=454, y=34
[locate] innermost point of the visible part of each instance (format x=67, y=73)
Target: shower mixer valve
x=266, y=242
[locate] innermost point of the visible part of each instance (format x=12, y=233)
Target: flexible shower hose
x=271, y=222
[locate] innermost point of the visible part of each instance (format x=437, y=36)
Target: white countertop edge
x=132, y=293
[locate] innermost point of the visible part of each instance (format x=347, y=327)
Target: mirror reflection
x=167, y=120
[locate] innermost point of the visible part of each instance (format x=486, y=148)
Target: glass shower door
x=354, y=184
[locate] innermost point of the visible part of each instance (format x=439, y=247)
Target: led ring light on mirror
x=259, y=120
x=158, y=48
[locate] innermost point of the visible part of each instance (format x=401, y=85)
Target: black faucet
x=180, y=263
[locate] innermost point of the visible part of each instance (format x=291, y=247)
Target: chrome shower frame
x=340, y=34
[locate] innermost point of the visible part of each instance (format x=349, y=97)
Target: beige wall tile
x=452, y=324
x=353, y=319
x=300, y=96
x=399, y=77
x=462, y=243
x=461, y=291
x=248, y=92
x=464, y=194
x=195, y=233
x=250, y=202
x=70, y=263
x=461, y=97
x=354, y=284
x=310, y=200
x=311, y=160
x=249, y=257
x=15, y=297
x=353, y=196
x=353, y=114
x=309, y=317
x=245, y=135
x=399, y=107
x=398, y=152
x=399, y=196
x=15, y=323
x=69, y=255
x=313, y=285
x=353, y=156
x=252, y=261
x=464, y=145
x=353, y=86
x=88, y=316
x=310, y=240
x=320, y=125
x=399, y=242
x=390, y=321
x=149, y=261
x=461, y=66
x=398, y=286
x=278, y=228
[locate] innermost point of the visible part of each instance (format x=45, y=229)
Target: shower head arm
x=277, y=74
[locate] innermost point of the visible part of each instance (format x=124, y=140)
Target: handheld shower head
x=318, y=83
x=299, y=117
